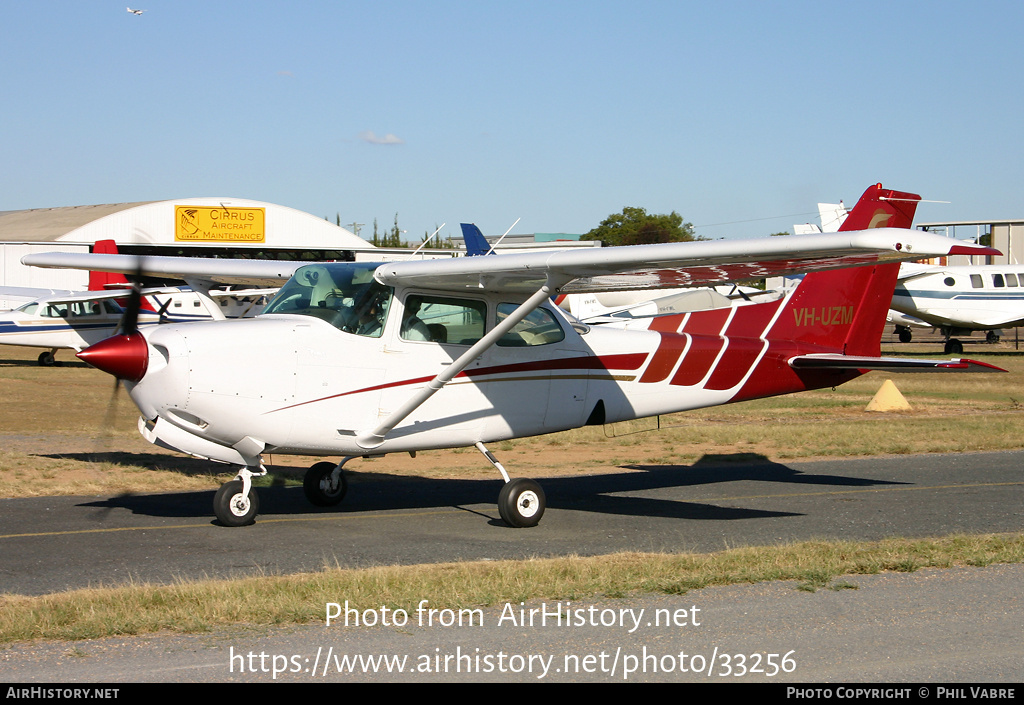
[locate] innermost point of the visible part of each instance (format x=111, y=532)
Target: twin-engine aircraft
x=356, y=359
x=958, y=300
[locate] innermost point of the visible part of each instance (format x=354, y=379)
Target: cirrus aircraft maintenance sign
x=219, y=224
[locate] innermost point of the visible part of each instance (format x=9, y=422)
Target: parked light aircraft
x=67, y=319
x=60, y=319
x=354, y=359
x=961, y=299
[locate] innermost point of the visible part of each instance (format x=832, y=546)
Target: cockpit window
x=344, y=294
x=540, y=327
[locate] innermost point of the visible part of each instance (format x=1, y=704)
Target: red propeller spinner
x=125, y=356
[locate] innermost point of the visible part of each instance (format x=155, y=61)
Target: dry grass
x=204, y=605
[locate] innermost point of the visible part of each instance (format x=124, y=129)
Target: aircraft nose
x=125, y=356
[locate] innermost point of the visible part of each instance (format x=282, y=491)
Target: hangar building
x=197, y=227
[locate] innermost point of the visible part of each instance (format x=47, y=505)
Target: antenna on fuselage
x=424, y=243
x=503, y=236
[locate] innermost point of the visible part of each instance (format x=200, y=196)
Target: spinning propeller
x=125, y=355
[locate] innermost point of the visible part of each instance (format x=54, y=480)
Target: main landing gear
x=521, y=501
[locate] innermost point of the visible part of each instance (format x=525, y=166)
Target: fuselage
x=308, y=377
x=968, y=297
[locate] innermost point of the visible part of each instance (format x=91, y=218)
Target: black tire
x=316, y=485
x=954, y=347
x=232, y=507
x=521, y=503
x=905, y=335
x=46, y=359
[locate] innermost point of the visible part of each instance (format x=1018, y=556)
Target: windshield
x=344, y=294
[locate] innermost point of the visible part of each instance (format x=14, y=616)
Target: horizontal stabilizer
x=892, y=364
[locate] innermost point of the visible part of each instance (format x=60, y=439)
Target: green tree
x=635, y=226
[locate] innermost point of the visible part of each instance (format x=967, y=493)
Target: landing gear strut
x=521, y=501
x=236, y=502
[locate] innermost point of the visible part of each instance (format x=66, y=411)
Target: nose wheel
x=236, y=502
x=234, y=506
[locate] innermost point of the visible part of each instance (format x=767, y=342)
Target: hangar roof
x=48, y=224
x=214, y=222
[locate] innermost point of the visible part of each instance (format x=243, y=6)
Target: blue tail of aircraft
x=476, y=243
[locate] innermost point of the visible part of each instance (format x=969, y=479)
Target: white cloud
x=372, y=138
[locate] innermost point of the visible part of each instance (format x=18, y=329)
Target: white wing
x=673, y=265
x=664, y=266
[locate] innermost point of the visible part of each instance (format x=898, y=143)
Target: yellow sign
x=219, y=224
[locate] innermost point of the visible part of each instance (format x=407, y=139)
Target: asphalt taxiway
x=52, y=544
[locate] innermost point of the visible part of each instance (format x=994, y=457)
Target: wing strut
x=374, y=438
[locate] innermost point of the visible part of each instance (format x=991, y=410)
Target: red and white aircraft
x=354, y=359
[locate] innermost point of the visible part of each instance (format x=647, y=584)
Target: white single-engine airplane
x=356, y=359
x=136, y=12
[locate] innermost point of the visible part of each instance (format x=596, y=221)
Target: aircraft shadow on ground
x=602, y=494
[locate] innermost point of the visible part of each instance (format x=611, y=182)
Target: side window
x=997, y=281
x=56, y=311
x=540, y=327
x=976, y=281
x=1011, y=280
x=442, y=319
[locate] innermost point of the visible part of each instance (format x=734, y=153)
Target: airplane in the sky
x=136, y=12
x=959, y=299
x=359, y=359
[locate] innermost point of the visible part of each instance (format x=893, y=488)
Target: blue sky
x=741, y=116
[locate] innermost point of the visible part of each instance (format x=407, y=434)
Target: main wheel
x=954, y=347
x=318, y=486
x=905, y=335
x=521, y=502
x=46, y=359
x=234, y=508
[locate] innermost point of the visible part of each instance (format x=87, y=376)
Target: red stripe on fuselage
x=698, y=360
x=706, y=322
x=751, y=321
x=665, y=357
x=739, y=357
x=624, y=361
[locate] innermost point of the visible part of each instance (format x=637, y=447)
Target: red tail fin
x=882, y=208
x=98, y=281
x=844, y=310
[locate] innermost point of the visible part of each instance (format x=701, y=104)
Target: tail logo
x=825, y=316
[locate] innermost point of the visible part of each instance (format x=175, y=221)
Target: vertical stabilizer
x=845, y=309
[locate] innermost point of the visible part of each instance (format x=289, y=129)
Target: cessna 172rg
x=355, y=359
